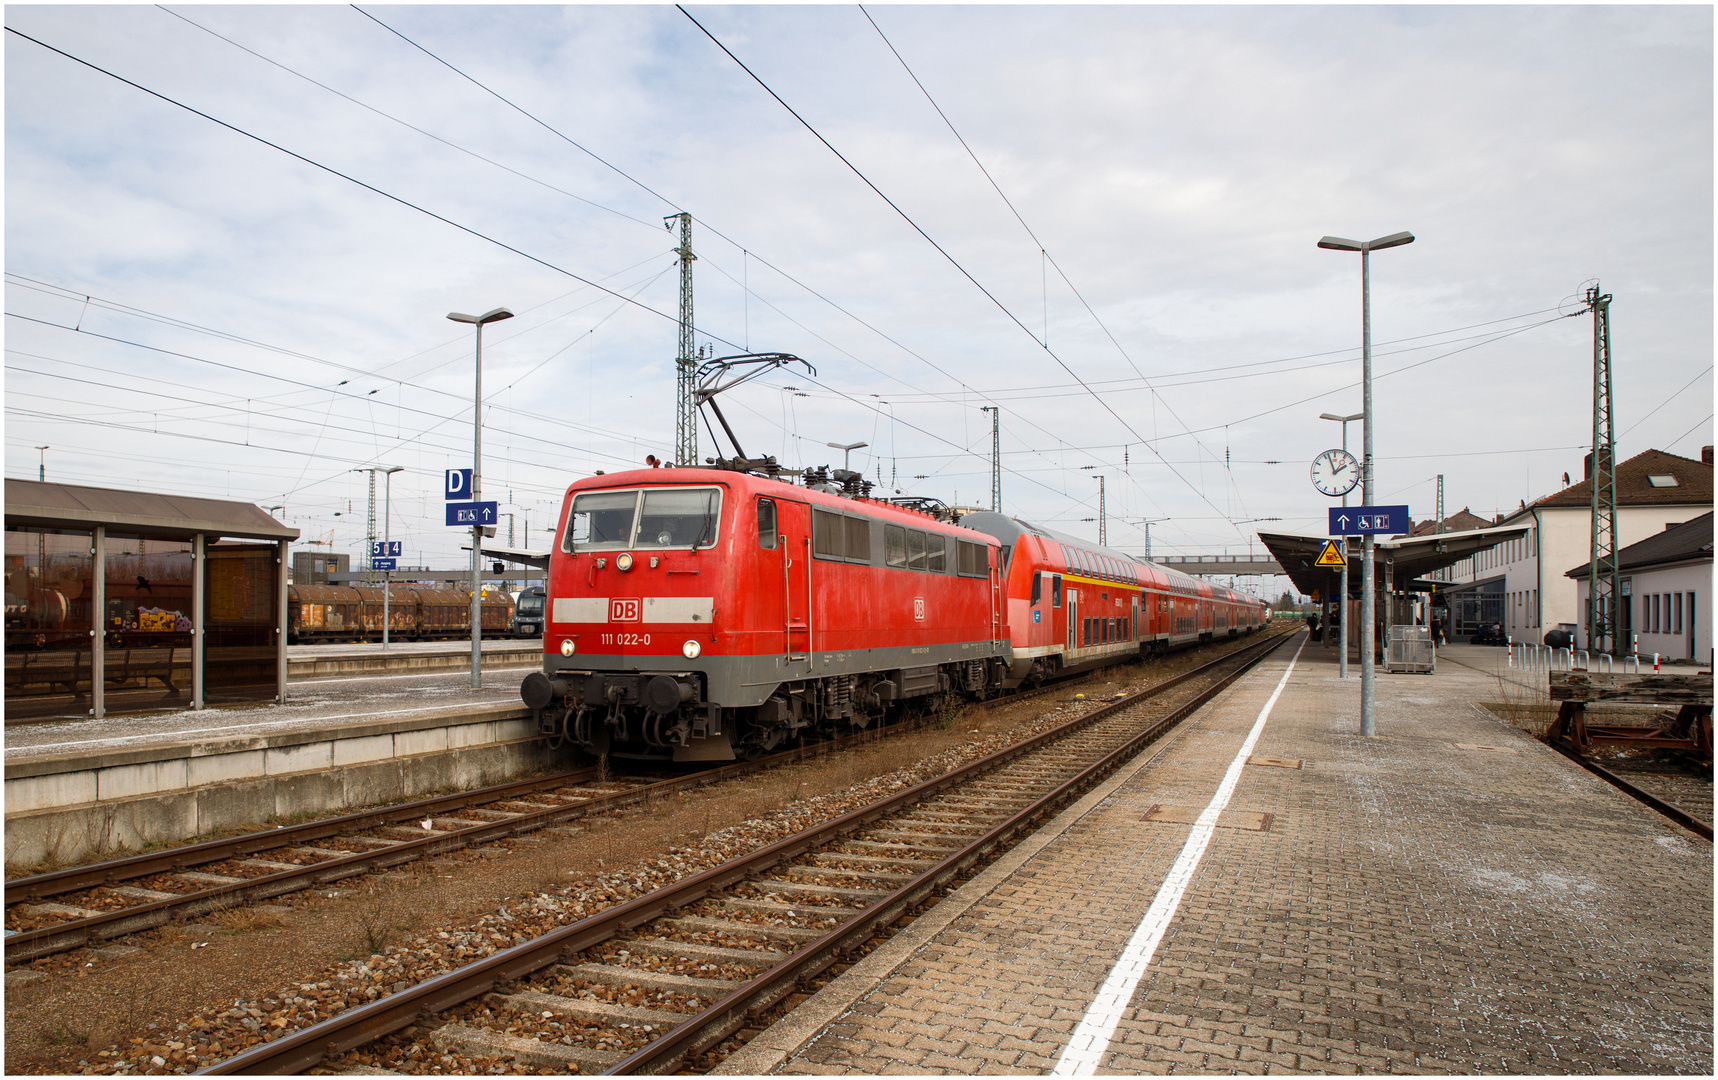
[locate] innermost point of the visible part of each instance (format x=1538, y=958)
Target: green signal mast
x=1604, y=595
x=686, y=363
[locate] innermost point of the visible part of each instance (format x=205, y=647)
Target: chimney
x=1706, y=454
x=1587, y=467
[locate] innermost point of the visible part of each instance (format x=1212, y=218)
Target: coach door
x=1073, y=619
x=795, y=527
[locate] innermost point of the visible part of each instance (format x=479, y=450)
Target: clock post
x=1349, y=475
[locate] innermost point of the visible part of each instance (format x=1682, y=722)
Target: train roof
x=1010, y=529
x=827, y=496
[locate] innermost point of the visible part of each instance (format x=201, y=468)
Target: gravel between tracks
x=196, y=993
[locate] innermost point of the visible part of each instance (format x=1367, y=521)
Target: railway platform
x=1449, y=895
x=80, y=786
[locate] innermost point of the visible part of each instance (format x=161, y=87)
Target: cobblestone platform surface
x=1448, y=896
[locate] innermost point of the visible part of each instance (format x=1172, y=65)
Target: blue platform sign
x=471, y=513
x=458, y=485
x=1364, y=520
x=382, y=564
x=385, y=549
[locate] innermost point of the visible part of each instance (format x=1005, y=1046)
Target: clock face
x=1335, y=472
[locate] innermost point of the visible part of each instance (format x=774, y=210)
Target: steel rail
x=27, y=945
x=1669, y=810
x=365, y=1023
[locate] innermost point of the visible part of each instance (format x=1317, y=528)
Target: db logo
x=919, y=608
x=623, y=610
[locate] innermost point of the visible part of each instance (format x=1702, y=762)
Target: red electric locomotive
x=1074, y=605
x=703, y=614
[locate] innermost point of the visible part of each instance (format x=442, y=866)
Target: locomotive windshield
x=529, y=605
x=651, y=517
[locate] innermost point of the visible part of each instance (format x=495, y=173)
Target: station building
x=1666, y=589
x=1524, y=585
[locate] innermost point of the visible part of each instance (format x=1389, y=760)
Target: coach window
x=915, y=550
x=1055, y=590
x=895, y=545
x=767, y=535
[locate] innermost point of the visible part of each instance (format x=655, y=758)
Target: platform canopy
x=1411, y=556
x=144, y=513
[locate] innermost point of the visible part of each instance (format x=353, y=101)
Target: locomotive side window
x=972, y=560
x=767, y=534
x=895, y=545
x=1055, y=590
x=678, y=517
x=936, y=553
x=915, y=550
x=602, y=520
x=858, y=539
x=828, y=535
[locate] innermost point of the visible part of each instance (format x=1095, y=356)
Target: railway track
x=664, y=981
x=88, y=905
x=1670, y=810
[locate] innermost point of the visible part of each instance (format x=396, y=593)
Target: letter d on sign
x=458, y=484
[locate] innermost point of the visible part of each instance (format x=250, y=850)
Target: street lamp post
x=1368, y=602
x=847, y=455
x=1342, y=626
x=495, y=315
x=387, y=537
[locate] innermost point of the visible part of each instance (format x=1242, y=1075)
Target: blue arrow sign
x=381, y=564
x=1362, y=520
x=458, y=484
x=385, y=549
x=471, y=513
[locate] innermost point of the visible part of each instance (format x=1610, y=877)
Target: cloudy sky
x=233, y=235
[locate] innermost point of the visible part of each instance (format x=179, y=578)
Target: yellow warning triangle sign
x=1331, y=555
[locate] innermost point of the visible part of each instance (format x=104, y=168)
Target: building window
x=1679, y=613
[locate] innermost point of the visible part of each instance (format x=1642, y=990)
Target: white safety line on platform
x=1091, y=1040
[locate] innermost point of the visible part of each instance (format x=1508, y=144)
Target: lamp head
x=1331, y=243
x=495, y=315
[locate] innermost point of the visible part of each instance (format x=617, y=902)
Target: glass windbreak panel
x=915, y=550
x=601, y=521
x=147, y=623
x=858, y=540
x=895, y=545
x=241, y=597
x=50, y=587
x=679, y=517
x=767, y=532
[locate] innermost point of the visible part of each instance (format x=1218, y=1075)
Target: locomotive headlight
x=623, y=561
x=566, y=646
x=691, y=649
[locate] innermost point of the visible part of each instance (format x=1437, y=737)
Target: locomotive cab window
x=1037, y=589
x=679, y=518
x=658, y=518
x=767, y=534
